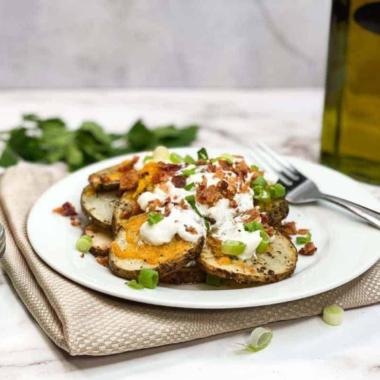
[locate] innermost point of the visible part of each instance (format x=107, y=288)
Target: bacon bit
x=82, y=255
x=133, y=208
x=308, y=250
x=102, y=260
x=264, y=218
x=211, y=168
x=167, y=211
x=233, y=203
x=303, y=231
x=254, y=175
x=67, y=209
x=126, y=167
x=183, y=205
x=191, y=230
x=169, y=167
x=210, y=220
x=200, y=163
x=207, y=195
x=251, y=215
x=105, y=178
x=289, y=228
x=75, y=222
x=269, y=230
x=179, y=181
x=218, y=173
x=160, y=176
x=225, y=165
x=129, y=180
x=152, y=205
x=164, y=187
x=241, y=168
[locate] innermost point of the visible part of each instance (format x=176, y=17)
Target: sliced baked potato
x=101, y=239
x=129, y=254
x=278, y=263
x=99, y=206
x=276, y=209
x=186, y=275
x=125, y=208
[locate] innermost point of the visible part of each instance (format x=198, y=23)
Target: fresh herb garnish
x=50, y=140
x=202, y=154
x=191, y=200
x=154, y=218
x=301, y=240
x=190, y=187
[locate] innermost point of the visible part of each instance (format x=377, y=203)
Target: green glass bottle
x=351, y=120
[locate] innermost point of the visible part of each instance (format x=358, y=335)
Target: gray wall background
x=163, y=43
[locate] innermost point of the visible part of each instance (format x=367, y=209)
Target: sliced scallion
x=84, y=244
x=202, y=154
x=226, y=157
x=277, y=191
x=189, y=160
x=253, y=226
x=259, y=181
x=190, y=187
x=188, y=172
x=255, y=168
x=161, y=153
x=262, y=247
x=213, y=280
x=175, y=158
x=301, y=240
x=233, y=247
x=260, y=194
x=148, y=278
x=154, y=218
x=259, y=339
x=147, y=158
x=333, y=315
x=134, y=285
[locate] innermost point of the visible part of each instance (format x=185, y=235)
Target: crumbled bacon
x=207, y=195
x=308, y=250
x=129, y=165
x=269, y=230
x=67, y=209
x=289, y=228
x=105, y=178
x=183, y=204
x=169, y=167
x=200, y=162
x=102, y=260
x=241, y=168
x=251, y=215
x=179, y=181
x=233, y=203
x=303, y=231
x=160, y=176
x=154, y=204
x=210, y=220
x=129, y=180
x=74, y=221
x=264, y=218
x=245, y=187
x=225, y=165
x=219, y=173
x=211, y=168
x=191, y=230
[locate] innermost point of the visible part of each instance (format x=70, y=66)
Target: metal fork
x=2, y=241
x=301, y=189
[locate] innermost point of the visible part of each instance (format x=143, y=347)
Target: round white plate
x=345, y=246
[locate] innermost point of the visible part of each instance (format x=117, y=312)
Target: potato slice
x=101, y=239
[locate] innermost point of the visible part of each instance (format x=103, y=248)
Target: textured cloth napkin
x=84, y=322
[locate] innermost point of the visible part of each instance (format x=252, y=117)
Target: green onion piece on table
x=300, y=240
x=134, y=285
x=333, y=315
x=259, y=339
x=84, y=244
x=148, y=278
x=233, y=247
x=213, y=280
x=155, y=218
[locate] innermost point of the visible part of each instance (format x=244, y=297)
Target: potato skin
x=276, y=209
x=192, y=275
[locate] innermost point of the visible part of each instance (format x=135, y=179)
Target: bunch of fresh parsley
x=49, y=141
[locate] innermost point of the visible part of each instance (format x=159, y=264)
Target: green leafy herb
x=134, y=285
x=50, y=140
x=202, y=154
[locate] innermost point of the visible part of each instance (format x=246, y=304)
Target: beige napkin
x=84, y=322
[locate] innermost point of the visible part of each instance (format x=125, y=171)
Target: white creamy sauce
x=228, y=222
x=271, y=178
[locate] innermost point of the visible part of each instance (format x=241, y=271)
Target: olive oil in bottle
x=351, y=120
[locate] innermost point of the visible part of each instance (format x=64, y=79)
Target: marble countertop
x=289, y=121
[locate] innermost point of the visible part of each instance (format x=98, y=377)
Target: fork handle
x=369, y=215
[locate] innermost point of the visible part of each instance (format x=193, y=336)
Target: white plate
x=345, y=246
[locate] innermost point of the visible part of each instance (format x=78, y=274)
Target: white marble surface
x=306, y=347
x=155, y=43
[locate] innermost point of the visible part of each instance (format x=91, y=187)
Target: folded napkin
x=85, y=322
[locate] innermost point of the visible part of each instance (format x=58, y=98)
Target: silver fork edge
x=300, y=189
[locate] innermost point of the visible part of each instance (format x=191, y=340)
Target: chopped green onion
x=147, y=158
x=202, y=154
x=277, y=190
x=333, y=315
x=259, y=339
x=189, y=160
x=134, y=285
x=253, y=226
x=260, y=194
x=233, y=247
x=175, y=158
x=226, y=157
x=213, y=280
x=255, y=168
x=154, y=218
x=191, y=200
x=84, y=244
x=259, y=181
x=190, y=186
x=188, y=172
x=300, y=240
x=148, y=278
x=262, y=247
x=161, y=153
